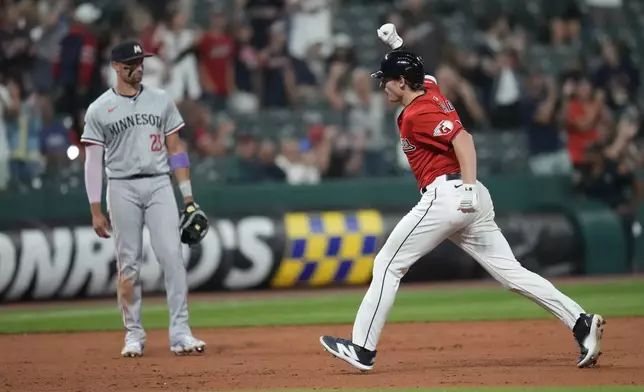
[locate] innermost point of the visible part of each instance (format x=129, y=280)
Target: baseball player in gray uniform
x=136, y=129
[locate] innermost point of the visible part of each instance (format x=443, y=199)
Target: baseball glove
x=194, y=224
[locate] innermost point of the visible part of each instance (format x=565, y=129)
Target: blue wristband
x=179, y=160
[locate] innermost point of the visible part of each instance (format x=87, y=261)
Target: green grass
x=447, y=304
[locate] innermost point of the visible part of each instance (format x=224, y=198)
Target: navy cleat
x=344, y=349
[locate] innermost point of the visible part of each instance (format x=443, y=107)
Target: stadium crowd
x=243, y=57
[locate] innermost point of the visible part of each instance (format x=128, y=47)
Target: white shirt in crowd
x=298, y=173
x=507, y=91
x=311, y=24
x=184, y=75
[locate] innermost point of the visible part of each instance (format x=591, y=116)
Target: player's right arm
x=94, y=140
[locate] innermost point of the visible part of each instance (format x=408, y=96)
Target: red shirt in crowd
x=216, y=54
x=427, y=127
x=578, y=139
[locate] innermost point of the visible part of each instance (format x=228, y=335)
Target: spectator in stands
x=6, y=106
x=157, y=8
x=278, y=87
x=23, y=122
x=75, y=67
x=610, y=180
x=340, y=66
x=310, y=22
x=54, y=139
x=423, y=32
x=309, y=73
x=505, y=109
x=209, y=140
x=620, y=143
x=539, y=112
x=54, y=136
x=246, y=71
x=178, y=42
x=462, y=96
x=267, y=160
x=343, y=155
x=604, y=13
x=583, y=112
x=155, y=73
x=292, y=160
x=565, y=24
x=15, y=44
x=216, y=62
x=262, y=15
x=47, y=37
x=244, y=167
x=617, y=76
x=316, y=64
x=366, y=120
x=496, y=70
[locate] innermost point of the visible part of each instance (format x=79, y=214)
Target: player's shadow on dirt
x=409, y=367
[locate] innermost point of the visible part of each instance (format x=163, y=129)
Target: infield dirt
x=518, y=353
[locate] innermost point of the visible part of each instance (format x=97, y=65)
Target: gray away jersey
x=133, y=131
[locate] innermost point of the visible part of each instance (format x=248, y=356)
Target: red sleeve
x=233, y=49
x=203, y=46
x=575, y=112
x=88, y=58
x=56, y=63
x=435, y=129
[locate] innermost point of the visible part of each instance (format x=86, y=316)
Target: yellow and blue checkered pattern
x=329, y=247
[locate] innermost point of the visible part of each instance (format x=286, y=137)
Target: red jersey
x=216, y=53
x=427, y=127
x=578, y=140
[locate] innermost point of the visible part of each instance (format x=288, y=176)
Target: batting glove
x=469, y=198
x=388, y=34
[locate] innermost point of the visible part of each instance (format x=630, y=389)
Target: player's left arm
x=466, y=154
x=194, y=222
x=178, y=156
x=180, y=164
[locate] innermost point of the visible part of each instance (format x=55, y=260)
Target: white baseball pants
x=435, y=218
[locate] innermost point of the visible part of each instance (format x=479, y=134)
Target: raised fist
x=388, y=34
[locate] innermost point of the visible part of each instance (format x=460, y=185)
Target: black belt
x=137, y=176
x=448, y=177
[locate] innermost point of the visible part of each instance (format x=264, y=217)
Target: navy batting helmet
x=401, y=63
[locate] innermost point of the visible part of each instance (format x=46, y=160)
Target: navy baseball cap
x=401, y=63
x=128, y=51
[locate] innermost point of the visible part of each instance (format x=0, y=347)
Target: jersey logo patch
x=406, y=145
x=444, y=127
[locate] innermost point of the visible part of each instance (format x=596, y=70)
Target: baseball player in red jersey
x=454, y=206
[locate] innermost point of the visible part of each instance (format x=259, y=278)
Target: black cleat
x=344, y=349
